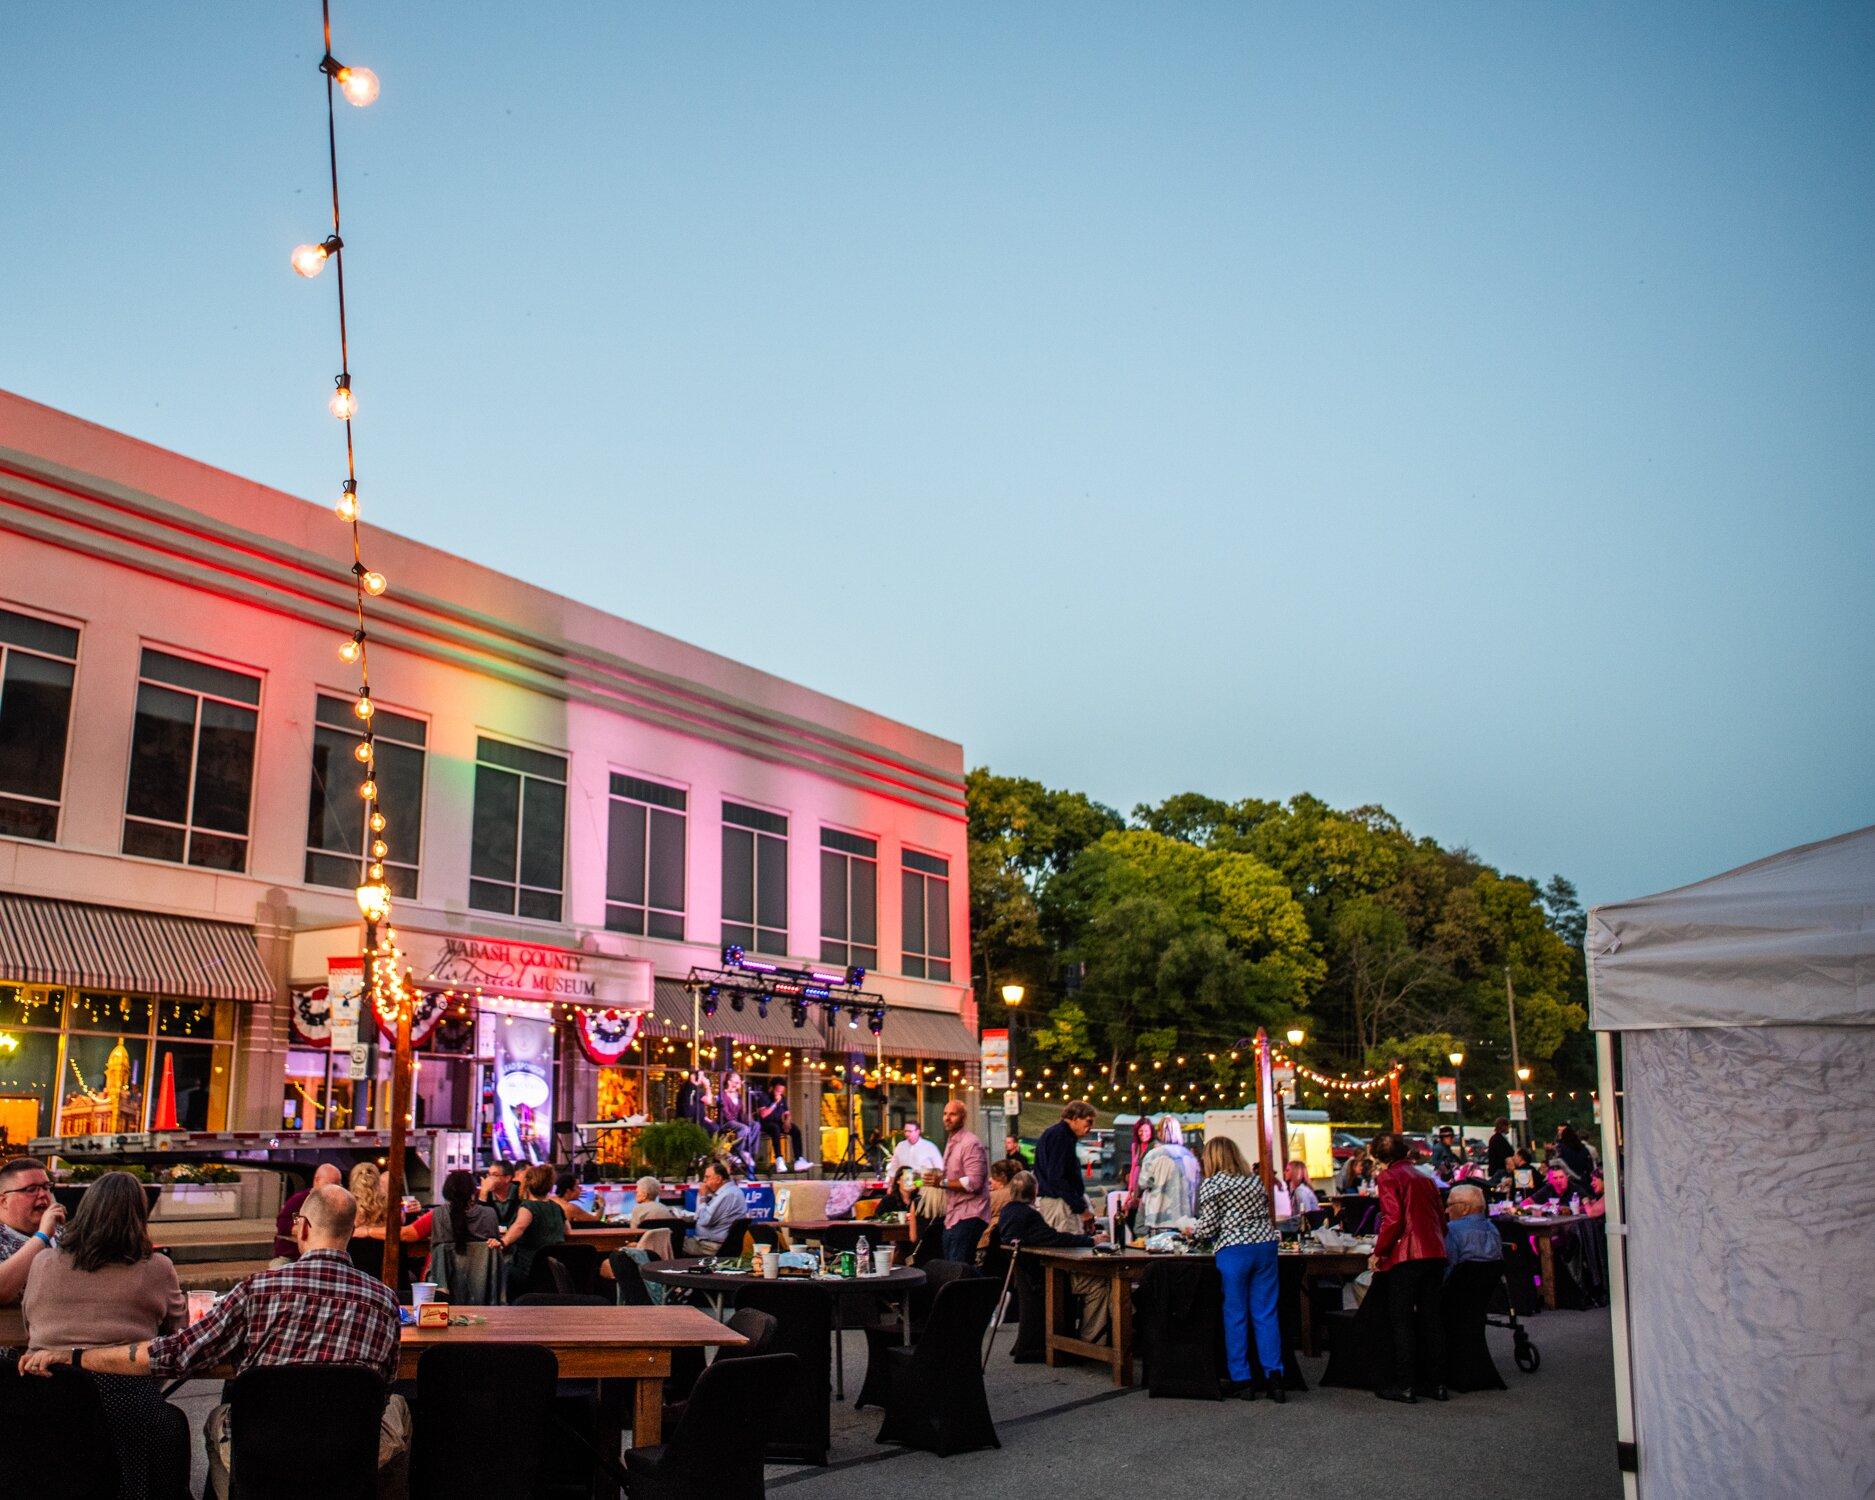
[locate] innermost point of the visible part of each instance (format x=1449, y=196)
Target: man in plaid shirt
x=319, y=1309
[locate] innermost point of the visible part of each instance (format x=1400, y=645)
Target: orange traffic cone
x=166, y=1097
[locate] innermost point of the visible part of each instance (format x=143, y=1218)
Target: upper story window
x=336, y=835
x=191, y=763
x=37, y=662
x=926, y=890
x=849, y=899
x=644, y=876
x=755, y=879
x=517, y=851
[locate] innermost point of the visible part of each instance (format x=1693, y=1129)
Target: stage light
x=735, y=1001
x=761, y=1007
x=855, y=976
x=732, y=956
x=833, y=1015
x=852, y=1021
x=876, y=1021
x=800, y=1014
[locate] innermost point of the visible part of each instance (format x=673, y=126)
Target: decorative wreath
x=607, y=1035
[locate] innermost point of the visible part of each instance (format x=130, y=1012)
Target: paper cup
x=771, y=1267
x=200, y=1305
x=422, y=1292
x=882, y=1260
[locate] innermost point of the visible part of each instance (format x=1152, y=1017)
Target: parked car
x=1345, y=1143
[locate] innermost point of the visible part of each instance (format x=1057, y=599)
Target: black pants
x=790, y=1136
x=1418, y=1335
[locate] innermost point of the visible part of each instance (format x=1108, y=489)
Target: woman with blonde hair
x=367, y=1189
x=1234, y=1219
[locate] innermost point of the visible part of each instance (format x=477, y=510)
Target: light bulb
x=379, y=848
x=360, y=85
x=364, y=708
x=368, y=789
x=350, y=651
x=375, y=583
x=310, y=260
x=343, y=405
x=347, y=506
x=377, y=871
x=377, y=822
x=361, y=752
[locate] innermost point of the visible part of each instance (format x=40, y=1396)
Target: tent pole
x=1616, y=1225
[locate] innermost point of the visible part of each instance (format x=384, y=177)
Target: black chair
x=545, y=1275
x=1358, y=1215
x=735, y=1239
x=718, y=1447
x=629, y=1282
x=843, y=1236
x=803, y=1314
x=1469, y=1291
x=562, y=1299
x=1178, y=1323
x=1031, y=1311
x=55, y=1426
x=765, y=1232
x=272, y=1406
x=753, y=1324
x=581, y=1263
x=464, y=1393
x=884, y=1333
x=937, y=1401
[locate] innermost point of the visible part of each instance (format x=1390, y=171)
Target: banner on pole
x=995, y=1058
x=1448, y=1096
x=1284, y=1077
x=1519, y=1105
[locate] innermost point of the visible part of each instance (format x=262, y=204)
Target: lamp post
x=374, y=905
x=1012, y=1000
x=1523, y=1087
x=1457, y=1060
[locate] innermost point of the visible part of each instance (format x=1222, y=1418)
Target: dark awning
x=108, y=948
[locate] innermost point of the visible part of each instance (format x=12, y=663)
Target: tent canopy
x=1787, y=941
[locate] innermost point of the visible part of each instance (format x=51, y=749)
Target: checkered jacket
x=320, y=1310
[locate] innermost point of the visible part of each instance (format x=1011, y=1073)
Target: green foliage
x=670, y=1146
x=1178, y=934
x=202, y=1174
x=91, y=1171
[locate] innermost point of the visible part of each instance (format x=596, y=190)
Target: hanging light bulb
x=368, y=789
x=364, y=707
x=377, y=822
x=361, y=752
x=379, y=848
x=375, y=583
x=349, y=652
x=359, y=85
x=343, y=405
x=347, y=506
x=377, y=870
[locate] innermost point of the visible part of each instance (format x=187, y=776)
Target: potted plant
x=670, y=1147
x=201, y=1190
x=80, y=1175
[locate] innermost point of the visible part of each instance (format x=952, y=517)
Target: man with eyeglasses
x=30, y=1220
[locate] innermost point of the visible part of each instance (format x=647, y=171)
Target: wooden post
x=394, y=1163
x=1263, y=1116
x=1393, y=1098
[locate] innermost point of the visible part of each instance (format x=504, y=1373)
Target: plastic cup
x=771, y=1267
x=882, y=1260
x=200, y=1305
x=422, y=1292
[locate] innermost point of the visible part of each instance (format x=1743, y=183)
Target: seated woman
x=901, y=1196
x=567, y=1193
x=104, y=1284
x=647, y=1208
x=538, y=1223
x=1002, y=1173
x=367, y=1189
x=1356, y=1172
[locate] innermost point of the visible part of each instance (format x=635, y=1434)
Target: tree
x=1393, y=984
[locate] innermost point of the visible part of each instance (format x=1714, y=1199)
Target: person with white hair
x=1470, y=1234
x=647, y=1209
x=1166, y=1189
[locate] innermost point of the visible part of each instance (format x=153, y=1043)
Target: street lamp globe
x=1012, y=994
x=1523, y=1075
x=374, y=900
x=1457, y=1059
x=1296, y=1035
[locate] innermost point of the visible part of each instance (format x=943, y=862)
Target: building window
x=517, y=852
x=644, y=877
x=927, y=895
x=191, y=763
x=37, y=660
x=336, y=835
x=755, y=879
x=849, y=899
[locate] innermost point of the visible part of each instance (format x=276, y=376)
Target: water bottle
x=865, y=1256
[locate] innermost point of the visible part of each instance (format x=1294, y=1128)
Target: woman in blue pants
x=1234, y=1219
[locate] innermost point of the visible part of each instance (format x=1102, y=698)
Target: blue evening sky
x=1460, y=407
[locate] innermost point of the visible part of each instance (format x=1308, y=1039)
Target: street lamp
x=374, y=900
x=1012, y=994
x=1457, y=1060
x=1296, y=1036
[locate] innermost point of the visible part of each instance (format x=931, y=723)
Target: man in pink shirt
x=966, y=1179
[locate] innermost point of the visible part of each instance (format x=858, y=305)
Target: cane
x=1014, y=1247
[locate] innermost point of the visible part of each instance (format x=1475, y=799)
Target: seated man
x=646, y=1206
x=1470, y=1235
x=575, y=1201
x=779, y=1129
x=1021, y=1223
x=319, y=1309
x=719, y=1205
x=284, y=1247
x=30, y=1220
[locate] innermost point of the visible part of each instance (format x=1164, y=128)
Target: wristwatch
x=78, y=1358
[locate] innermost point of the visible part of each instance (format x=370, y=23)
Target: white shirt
x=1305, y=1200
x=920, y=1155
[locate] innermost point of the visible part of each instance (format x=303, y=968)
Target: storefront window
x=91, y=1062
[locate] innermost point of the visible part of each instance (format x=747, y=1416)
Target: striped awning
x=105, y=947
x=928, y=1033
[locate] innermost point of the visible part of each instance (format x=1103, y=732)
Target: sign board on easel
x=1519, y=1104
x=995, y=1057
x=1448, y=1096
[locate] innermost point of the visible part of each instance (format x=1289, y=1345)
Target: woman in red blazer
x=1409, y=1268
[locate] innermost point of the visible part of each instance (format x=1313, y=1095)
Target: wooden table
x=605, y=1238
x=892, y=1232
x=1059, y=1267
x=616, y=1346
x=1544, y=1229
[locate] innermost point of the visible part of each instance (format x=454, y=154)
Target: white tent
x=1741, y=1208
